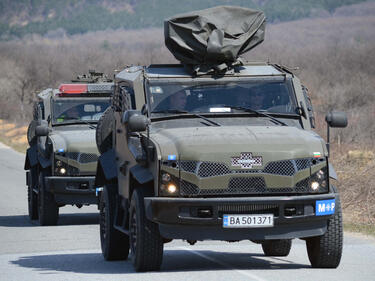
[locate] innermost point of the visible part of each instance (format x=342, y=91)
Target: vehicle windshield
x=76, y=110
x=227, y=96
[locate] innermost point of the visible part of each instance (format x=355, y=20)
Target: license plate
x=244, y=221
x=325, y=207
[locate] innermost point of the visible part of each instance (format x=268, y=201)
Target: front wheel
x=145, y=240
x=114, y=244
x=277, y=248
x=325, y=251
x=48, y=210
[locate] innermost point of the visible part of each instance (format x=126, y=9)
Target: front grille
x=189, y=166
x=247, y=186
x=283, y=168
x=82, y=157
x=248, y=209
x=88, y=158
x=214, y=169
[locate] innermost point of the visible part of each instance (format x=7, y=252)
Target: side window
x=309, y=106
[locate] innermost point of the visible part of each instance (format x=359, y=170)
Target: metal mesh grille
x=284, y=168
x=73, y=155
x=187, y=189
x=247, y=185
x=189, y=166
x=82, y=157
x=88, y=158
x=250, y=185
x=303, y=163
x=303, y=185
x=211, y=169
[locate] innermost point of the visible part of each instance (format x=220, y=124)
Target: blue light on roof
x=61, y=150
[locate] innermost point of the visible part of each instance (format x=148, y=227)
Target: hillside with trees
x=21, y=17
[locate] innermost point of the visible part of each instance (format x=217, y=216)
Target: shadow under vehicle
x=192, y=154
x=62, y=157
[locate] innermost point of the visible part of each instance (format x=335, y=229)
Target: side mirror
x=41, y=131
x=135, y=121
x=337, y=119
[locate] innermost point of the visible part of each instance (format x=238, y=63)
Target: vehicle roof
x=179, y=71
x=158, y=71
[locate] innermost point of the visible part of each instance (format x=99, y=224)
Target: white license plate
x=243, y=221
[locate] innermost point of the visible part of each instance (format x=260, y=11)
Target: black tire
x=145, y=241
x=277, y=248
x=325, y=251
x=32, y=203
x=32, y=198
x=104, y=131
x=48, y=211
x=114, y=244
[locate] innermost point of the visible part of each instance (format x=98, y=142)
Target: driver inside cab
x=70, y=114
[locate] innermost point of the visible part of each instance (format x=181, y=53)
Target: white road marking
x=247, y=274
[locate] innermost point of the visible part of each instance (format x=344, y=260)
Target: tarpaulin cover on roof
x=214, y=36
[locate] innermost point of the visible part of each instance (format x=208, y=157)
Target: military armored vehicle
x=62, y=157
x=214, y=148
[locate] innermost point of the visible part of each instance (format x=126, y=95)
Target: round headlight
x=315, y=185
x=62, y=171
x=171, y=188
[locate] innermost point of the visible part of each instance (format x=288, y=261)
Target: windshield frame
x=81, y=99
x=223, y=80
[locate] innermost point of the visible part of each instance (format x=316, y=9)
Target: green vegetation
x=18, y=18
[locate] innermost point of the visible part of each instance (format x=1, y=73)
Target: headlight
x=318, y=181
x=61, y=169
x=169, y=184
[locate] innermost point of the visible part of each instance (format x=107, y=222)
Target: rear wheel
x=48, y=210
x=145, y=240
x=325, y=251
x=277, y=248
x=114, y=244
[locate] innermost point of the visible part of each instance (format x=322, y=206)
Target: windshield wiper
x=259, y=113
x=91, y=126
x=184, y=111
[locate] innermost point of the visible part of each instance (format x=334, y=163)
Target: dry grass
x=356, y=171
x=13, y=135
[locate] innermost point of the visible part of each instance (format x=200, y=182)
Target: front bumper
x=202, y=218
x=72, y=190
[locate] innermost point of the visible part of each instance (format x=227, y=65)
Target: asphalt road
x=71, y=250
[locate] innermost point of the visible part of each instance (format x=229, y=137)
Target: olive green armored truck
x=214, y=150
x=62, y=158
